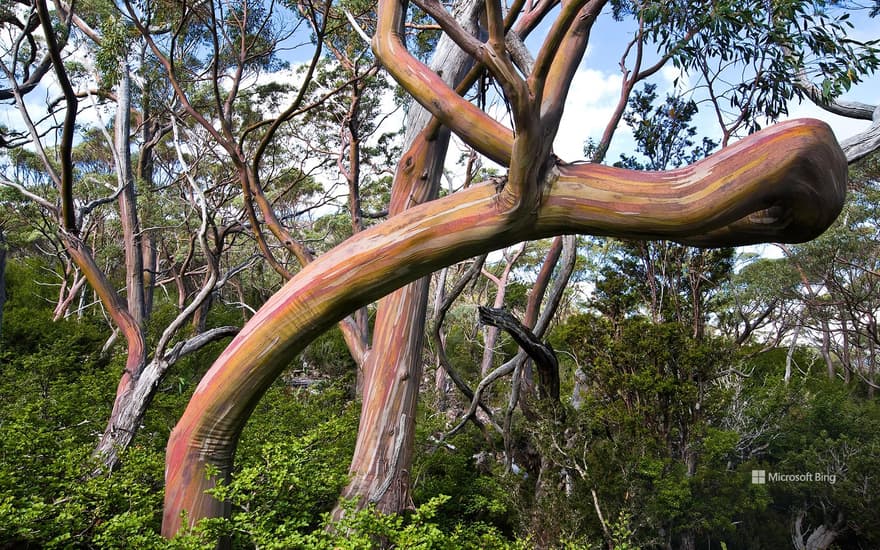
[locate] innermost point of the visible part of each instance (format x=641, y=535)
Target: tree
x=540, y=196
x=77, y=218
x=207, y=129
x=647, y=439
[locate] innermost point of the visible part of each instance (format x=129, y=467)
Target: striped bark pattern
x=786, y=184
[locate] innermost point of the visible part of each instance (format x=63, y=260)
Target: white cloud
x=591, y=101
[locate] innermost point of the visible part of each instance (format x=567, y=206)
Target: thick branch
x=474, y=126
x=861, y=144
x=837, y=106
x=553, y=44
x=786, y=183
x=560, y=73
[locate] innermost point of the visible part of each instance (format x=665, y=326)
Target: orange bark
x=392, y=370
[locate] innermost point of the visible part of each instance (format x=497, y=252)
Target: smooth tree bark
x=392, y=371
x=393, y=368
x=128, y=211
x=786, y=183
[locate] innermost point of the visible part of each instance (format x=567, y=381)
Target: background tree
x=76, y=221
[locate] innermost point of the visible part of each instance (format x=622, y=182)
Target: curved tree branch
x=541, y=354
x=786, y=183
x=474, y=126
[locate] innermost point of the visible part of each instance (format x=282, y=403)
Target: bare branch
x=542, y=354
x=32, y=196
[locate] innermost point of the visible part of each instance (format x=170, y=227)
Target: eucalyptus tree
x=78, y=176
x=767, y=187
x=790, y=189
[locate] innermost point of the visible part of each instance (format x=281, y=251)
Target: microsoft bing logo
x=761, y=477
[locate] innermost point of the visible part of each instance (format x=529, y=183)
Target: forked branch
x=786, y=183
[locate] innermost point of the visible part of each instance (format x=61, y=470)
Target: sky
x=596, y=88
x=595, y=91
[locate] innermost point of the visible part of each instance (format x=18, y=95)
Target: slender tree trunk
x=129, y=317
x=383, y=454
x=845, y=356
x=826, y=349
x=151, y=268
x=393, y=368
x=131, y=237
x=789, y=357
x=490, y=333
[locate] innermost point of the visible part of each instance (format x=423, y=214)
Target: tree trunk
x=441, y=378
x=820, y=539
x=826, y=349
x=129, y=317
x=392, y=370
x=793, y=173
x=789, y=357
x=128, y=217
x=151, y=268
x=120, y=427
x=383, y=453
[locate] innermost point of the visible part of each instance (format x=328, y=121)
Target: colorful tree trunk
x=786, y=183
x=392, y=370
